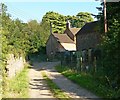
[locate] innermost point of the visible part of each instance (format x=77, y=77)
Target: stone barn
x=87, y=41
x=88, y=37
x=59, y=43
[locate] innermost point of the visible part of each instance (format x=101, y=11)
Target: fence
x=85, y=61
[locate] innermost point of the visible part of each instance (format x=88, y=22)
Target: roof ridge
x=88, y=27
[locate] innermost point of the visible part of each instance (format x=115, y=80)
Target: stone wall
x=87, y=40
x=52, y=46
x=14, y=65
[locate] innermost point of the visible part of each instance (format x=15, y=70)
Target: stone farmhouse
x=74, y=39
x=62, y=42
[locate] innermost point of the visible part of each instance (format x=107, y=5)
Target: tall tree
x=111, y=42
x=82, y=18
x=59, y=21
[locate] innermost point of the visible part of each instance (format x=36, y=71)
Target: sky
x=29, y=10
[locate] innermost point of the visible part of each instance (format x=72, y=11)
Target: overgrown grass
x=57, y=92
x=89, y=82
x=17, y=87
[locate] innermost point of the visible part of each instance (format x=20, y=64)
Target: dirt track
x=38, y=88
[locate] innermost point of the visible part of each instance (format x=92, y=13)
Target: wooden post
x=105, y=18
x=71, y=60
x=61, y=59
x=81, y=66
x=95, y=63
x=77, y=59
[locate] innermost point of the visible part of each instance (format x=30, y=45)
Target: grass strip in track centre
x=57, y=92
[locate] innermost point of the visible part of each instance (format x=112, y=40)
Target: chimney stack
x=50, y=28
x=68, y=24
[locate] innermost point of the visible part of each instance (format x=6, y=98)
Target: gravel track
x=70, y=88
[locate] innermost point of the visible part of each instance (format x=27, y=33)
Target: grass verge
x=17, y=87
x=57, y=92
x=88, y=81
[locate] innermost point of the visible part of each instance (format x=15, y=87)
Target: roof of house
x=69, y=46
x=74, y=30
x=89, y=28
x=62, y=38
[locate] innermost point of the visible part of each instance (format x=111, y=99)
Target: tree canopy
x=21, y=38
x=59, y=21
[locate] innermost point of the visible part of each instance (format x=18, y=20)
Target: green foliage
x=18, y=86
x=111, y=44
x=80, y=19
x=45, y=32
x=59, y=21
x=111, y=49
x=89, y=82
x=38, y=35
x=22, y=38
